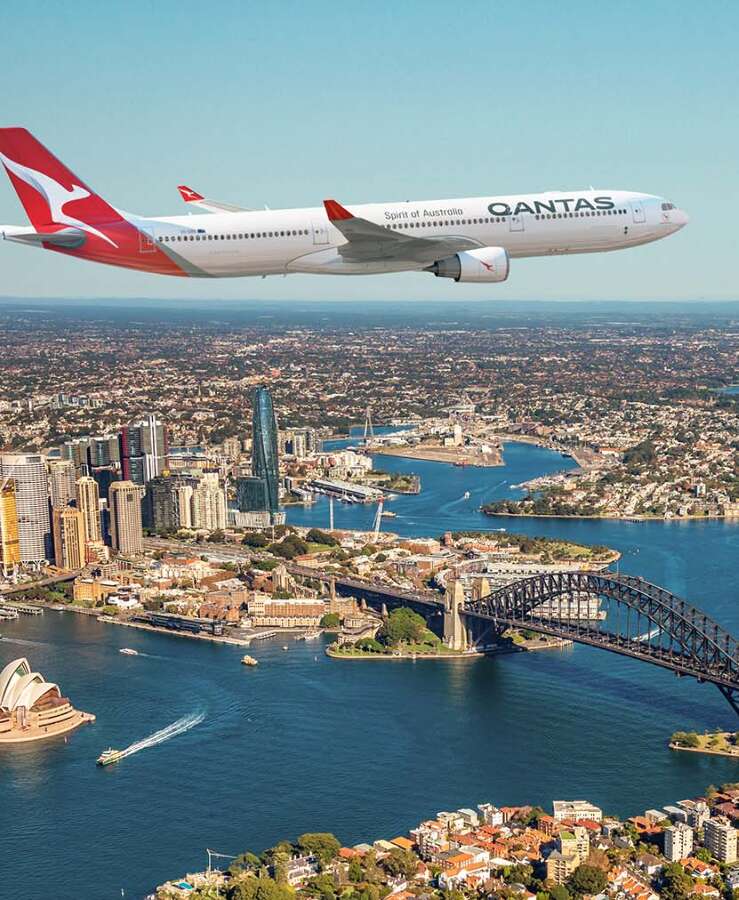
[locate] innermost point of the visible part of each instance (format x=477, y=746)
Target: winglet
x=335, y=211
x=188, y=194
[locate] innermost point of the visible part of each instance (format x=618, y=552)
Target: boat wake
x=164, y=734
x=23, y=642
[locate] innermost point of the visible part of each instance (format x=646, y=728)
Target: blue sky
x=287, y=103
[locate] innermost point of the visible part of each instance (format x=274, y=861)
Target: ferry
x=308, y=636
x=128, y=651
x=109, y=756
x=389, y=514
x=248, y=661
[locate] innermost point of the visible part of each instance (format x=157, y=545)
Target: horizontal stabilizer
x=193, y=198
x=66, y=237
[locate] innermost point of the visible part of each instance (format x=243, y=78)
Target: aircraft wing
x=369, y=242
x=193, y=198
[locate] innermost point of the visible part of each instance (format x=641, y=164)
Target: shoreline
x=35, y=734
x=440, y=455
x=215, y=638
x=612, y=518
x=674, y=746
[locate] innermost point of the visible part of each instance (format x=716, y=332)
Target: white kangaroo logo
x=56, y=195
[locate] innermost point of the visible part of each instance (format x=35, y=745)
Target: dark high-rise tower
x=264, y=460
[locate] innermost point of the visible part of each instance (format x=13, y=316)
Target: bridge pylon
x=455, y=632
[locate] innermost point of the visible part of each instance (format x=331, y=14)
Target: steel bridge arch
x=691, y=643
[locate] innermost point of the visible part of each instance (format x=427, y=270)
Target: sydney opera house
x=32, y=708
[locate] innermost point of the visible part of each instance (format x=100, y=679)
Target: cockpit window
x=666, y=206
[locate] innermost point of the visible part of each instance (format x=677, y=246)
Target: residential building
x=169, y=501
x=69, y=538
x=208, y=503
x=126, y=531
x=88, y=503
x=28, y=471
x=265, y=460
x=719, y=837
x=678, y=841
x=10, y=553
x=576, y=809
x=559, y=867
x=575, y=842
x=61, y=482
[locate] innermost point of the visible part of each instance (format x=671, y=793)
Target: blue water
x=363, y=749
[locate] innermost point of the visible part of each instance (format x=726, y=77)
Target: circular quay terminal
x=417, y=583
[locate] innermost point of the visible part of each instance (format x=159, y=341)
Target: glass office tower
x=264, y=452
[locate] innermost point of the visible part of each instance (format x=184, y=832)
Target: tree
x=316, y=536
x=330, y=620
x=321, y=844
x=676, y=883
x=559, y=892
x=255, y=539
x=404, y=626
x=245, y=862
x=259, y=888
x=518, y=874
x=355, y=871
x=401, y=862
x=370, y=645
x=587, y=880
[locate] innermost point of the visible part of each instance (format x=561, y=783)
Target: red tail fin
x=49, y=192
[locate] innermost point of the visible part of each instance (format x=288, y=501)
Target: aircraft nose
x=681, y=218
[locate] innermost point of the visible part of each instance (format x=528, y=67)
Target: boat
x=249, y=661
x=389, y=514
x=311, y=635
x=466, y=495
x=109, y=756
x=128, y=651
x=285, y=647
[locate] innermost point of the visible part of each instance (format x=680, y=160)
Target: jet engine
x=488, y=264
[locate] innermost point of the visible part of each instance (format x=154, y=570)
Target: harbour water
x=303, y=743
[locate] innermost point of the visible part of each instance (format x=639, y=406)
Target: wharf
x=214, y=638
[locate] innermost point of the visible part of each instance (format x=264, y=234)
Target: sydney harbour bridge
x=638, y=619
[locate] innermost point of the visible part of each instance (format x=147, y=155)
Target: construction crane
x=369, y=431
x=378, y=519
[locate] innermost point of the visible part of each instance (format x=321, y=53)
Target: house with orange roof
x=403, y=842
x=699, y=869
x=705, y=890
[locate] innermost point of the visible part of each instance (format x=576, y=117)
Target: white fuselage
x=273, y=242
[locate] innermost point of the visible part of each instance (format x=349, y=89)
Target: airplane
x=468, y=240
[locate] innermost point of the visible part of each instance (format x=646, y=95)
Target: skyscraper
x=28, y=471
x=10, y=553
x=143, y=447
x=69, y=538
x=265, y=461
x=88, y=503
x=61, y=482
x=126, y=533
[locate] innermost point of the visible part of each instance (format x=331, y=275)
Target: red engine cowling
x=488, y=264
